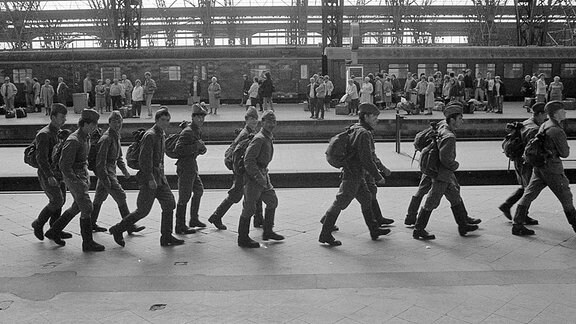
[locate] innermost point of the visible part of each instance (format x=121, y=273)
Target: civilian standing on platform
x=29, y=92
x=245, y=88
x=396, y=89
x=329, y=90
x=62, y=91
x=50, y=178
x=37, y=88
x=421, y=88
x=100, y=91
x=137, y=98
x=108, y=158
x=9, y=91
x=378, y=91
x=527, y=90
x=116, y=91
x=523, y=169
x=468, y=85
x=320, y=95
x=556, y=89
x=236, y=193
x=490, y=95
x=353, y=186
x=541, y=88
x=188, y=147
x=214, y=94
x=257, y=185
x=366, y=91
x=47, y=96
x=429, y=97
x=445, y=183
x=267, y=91
x=409, y=87
x=479, y=87
x=499, y=93
x=253, y=92
x=74, y=167
x=551, y=174
x=387, y=92
x=311, y=94
x=149, y=90
x=352, y=92
x=195, y=90
x=152, y=183
x=107, y=98
x=87, y=87
x=128, y=87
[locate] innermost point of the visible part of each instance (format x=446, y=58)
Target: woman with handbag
x=214, y=93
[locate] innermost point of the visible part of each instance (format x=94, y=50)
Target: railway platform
x=488, y=277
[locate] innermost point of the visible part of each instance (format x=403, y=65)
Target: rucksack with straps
x=229, y=154
x=30, y=155
x=535, y=152
x=424, y=137
x=513, y=145
x=338, y=150
x=238, y=155
x=430, y=156
x=94, y=148
x=133, y=152
x=170, y=146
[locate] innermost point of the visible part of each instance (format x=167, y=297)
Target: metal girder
x=532, y=21
x=332, y=23
x=297, y=33
x=206, y=15
x=483, y=29
x=131, y=23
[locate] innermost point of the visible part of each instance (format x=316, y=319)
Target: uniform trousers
x=253, y=193
x=56, y=194
x=424, y=186
x=558, y=183
x=115, y=191
x=189, y=182
x=354, y=189
x=441, y=188
x=79, y=190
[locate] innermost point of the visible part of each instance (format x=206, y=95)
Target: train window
x=513, y=70
x=545, y=68
x=19, y=75
x=285, y=72
x=428, y=68
x=568, y=70
x=304, y=71
x=485, y=68
x=456, y=68
x=110, y=73
x=258, y=70
x=170, y=73
x=400, y=70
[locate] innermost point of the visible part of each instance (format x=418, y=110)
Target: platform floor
x=488, y=277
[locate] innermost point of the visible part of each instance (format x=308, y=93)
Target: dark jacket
x=468, y=81
x=447, y=148
x=74, y=159
x=362, y=154
x=557, y=144
x=527, y=89
x=109, y=155
x=267, y=88
x=189, y=146
x=46, y=138
x=258, y=155
x=151, y=156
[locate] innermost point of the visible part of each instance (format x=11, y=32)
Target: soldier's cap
x=115, y=115
x=90, y=115
x=538, y=107
x=268, y=115
x=368, y=108
x=553, y=106
x=452, y=109
x=251, y=113
x=198, y=110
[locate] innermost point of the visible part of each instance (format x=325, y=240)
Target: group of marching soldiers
x=361, y=176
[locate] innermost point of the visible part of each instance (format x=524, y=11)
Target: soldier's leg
x=271, y=200
x=423, y=188
x=346, y=193
x=99, y=197
x=234, y=196
x=198, y=191
x=364, y=197
x=119, y=196
x=252, y=193
x=144, y=204
x=531, y=192
x=56, y=200
x=560, y=186
x=432, y=201
x=185, y=183
x=82, y=199
x=376, y=211
x=167, y=203
x=452, y=194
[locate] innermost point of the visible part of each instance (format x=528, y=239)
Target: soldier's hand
x=52, y=181
x=152, y=184
x=386, y=172
x=381, y=182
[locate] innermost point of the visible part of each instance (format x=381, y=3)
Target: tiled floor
x=488, y=277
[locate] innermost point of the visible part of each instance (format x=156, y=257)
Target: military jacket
x=46, y=139
x=151, y=156
x=557, y=144
x=74, y=158
x=258, y=155
x=109, y=155
x=362, y=154
x=447, y=149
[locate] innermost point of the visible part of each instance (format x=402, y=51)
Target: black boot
x=327, y=228
x=181, y=227
x=38, y=224
x=169, y=240
x=505, y=207
x=217, y=222
x=133, y=228
x=571, y=217
x=530, y=221
x=53, y=218
x=461, y=217
x=216, y=218
x=380, y=220
x=334, y=228
x=54, y=233
x=94, y=217
x=269, y=233
x=194, y=208
x=88, y=244
x=420, y=232
x=258, y=217
x=518, y=227
x=412, y=213
x=166, y=230
x=244, y=239
x=469, y=220
x=375, y=230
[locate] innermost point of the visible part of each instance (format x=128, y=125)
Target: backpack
x=56, y=154
x=535, y=153
x=170, y=146
x=425, y=137
x=430, y=157
x=513, y=145
x=133, y=152
x=30, y=155
x=229, y=154
x=238, y=155
x=94, y=148
x=338, y=150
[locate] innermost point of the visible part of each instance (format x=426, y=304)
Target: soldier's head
x=251, y=117
x=269, y=120
x=58, y=114
x=453, y=113
x=198, y=115
x=555, y=110
x=88, y=120
x=162, y=118
x=368, y=113
x=539, y=113
x=115, y=120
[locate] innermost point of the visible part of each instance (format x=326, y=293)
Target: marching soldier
x=523, y=169
x=109, y=156
x=445, y=183
x=551, y=174
x=353, y=183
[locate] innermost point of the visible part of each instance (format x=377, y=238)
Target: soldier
x=50, y=180
x=257, y=184
x=237, y=191
x=523, y=169
x=153, y=184
x=551, y=174
x=188, y=147
x=353, y=183
x=445, y=183
x=109, y=156
x=74, y=167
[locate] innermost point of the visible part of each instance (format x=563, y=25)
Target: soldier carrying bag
x=338, y=150
x=535, y=152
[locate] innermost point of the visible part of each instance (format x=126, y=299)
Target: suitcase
x=21, y=113
x=2, y=110
x=10, y=114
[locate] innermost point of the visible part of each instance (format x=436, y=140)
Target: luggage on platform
x=10, y=114
x=123, y=111
x=21, y=113
x=2, y=110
